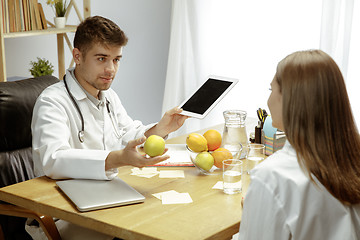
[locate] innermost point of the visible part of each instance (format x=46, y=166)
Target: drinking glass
x=232, y=172
x=255, y=153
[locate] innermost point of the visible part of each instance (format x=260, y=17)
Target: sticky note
x=146, y=172
x=176, y=198
x=218, y=185
x=173, y=197
x=159, y=195
x=171, y=174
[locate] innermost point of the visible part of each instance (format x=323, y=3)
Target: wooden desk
x=212, y=215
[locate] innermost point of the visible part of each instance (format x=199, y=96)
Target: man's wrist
x=112, y=160
x=156, y=130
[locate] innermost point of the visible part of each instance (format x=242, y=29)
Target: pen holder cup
x=274, y=143
x=274, y=139
x=211, y=162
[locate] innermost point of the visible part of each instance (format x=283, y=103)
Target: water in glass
x=232, y=173
x=234, y=128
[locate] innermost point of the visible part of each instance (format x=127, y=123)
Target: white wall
x=141, y=78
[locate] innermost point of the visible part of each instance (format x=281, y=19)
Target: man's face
x=96, y=70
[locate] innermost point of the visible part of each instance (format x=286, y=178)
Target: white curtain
x=340, y=37
x=246, y=40
x=353, y=71
x=336, y=30
x=188, y=53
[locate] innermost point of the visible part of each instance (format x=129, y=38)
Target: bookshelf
x=60, y=32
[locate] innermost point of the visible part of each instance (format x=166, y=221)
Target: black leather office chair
x=17, y=101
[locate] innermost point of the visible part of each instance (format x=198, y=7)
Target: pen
x=264, y=115
x=259, y=114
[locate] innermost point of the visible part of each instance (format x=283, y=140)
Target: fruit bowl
x=220, y=154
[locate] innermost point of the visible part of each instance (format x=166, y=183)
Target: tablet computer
x=205, y=98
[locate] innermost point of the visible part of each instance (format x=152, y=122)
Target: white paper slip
x=159, y=195
x=146, y=172
x=147, y=175
x=171, y=174
x=218, y=185
x=178, y=156
x=176, y=198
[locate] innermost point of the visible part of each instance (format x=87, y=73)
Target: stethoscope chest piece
x=81, y=136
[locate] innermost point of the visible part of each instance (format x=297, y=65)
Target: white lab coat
x=282, y=203
x=57, y=151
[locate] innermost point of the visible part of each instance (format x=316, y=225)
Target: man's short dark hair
x=97, y=29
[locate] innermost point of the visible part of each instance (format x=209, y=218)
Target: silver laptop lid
x=90, y=195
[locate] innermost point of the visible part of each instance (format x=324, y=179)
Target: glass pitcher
x=234, y=129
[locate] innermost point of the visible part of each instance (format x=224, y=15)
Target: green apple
x=204, y=160
x=154, y=146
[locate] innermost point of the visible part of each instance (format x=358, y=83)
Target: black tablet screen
x=206, y=95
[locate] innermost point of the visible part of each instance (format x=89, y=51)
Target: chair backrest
x=17, y=101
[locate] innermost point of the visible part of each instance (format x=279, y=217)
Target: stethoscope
x=109, y=110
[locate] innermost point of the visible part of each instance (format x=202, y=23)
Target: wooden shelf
x=60, y=32
x=40, y=32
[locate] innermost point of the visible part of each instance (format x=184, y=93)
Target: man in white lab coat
x=80, y=128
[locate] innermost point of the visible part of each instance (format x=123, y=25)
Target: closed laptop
x=90, y=195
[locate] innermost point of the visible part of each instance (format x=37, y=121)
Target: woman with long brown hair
x=311, y=188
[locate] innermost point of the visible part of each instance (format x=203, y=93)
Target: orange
x=213, y=138
x=220, y=155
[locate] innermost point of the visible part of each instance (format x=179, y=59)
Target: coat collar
x=78, y=91
x=74, y=86
x=288, y=148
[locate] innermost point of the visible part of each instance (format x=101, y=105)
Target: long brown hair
x=318, y=122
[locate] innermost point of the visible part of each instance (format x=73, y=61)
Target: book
x=42, y=17
x=37, y=14
x=28, y=3
x=17, y=16
x=26, y=14
x=32, y=15
x=21, y=15
x=6, y=14
x=3, y=14
x=12, y=26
